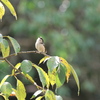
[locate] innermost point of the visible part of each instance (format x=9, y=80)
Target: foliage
x=72, y=32
x=58, y=72
x=10, y=7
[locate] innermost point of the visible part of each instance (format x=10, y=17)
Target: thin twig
x=9, y=63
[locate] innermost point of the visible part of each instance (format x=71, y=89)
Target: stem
x=9, y=63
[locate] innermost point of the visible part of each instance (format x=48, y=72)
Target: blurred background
x=70, y=29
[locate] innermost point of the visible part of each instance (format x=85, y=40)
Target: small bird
x=39, y=45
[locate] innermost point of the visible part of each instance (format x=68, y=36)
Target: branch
x=24, y=52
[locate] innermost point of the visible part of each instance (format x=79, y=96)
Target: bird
x=39, y=45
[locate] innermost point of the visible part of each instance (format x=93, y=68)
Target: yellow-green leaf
x=29, y=78
x=4, y=79
x=76, y=78
x=2, y=11
x=15, y=44
x=69, y=71
x=39, y=98
x=5, y=49
x=17, y=67
x=49, y=95
x=20, y=91
x=64, y=62
x=10, y=7
x=52, y=77
x=44, y=59
x=43, y=76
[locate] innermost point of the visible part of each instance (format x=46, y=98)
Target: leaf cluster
x=9, y=6
x=59, y=71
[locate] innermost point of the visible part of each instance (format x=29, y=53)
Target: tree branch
x=24, y=52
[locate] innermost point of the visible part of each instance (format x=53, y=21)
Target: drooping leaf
x=69, y=71
x=15, y=44
x=3, y=80
x=17, y=67
x=26, y=66
x=58, y=97
x=60, y=76
x=2, y=11
x=10, y=7
x=36, y=93
x=43, y=76
x=20, y=91
x=52, y=63
x=76, y=78
x=5, y=49
x=44, y=59
x=6, y=89
x=49, y=95
x=64, y=62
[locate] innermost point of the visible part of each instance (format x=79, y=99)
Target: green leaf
x=26, y=66
x=5, y=49
x=52, y=63
x=69, y=71
x=17, y=67
x=43, y=76
x=76, y=78
x=15, y=44
x=2, y=11
x=20, y=91
x=3, y=80
x=6, y=88
x=58, y=97
x=36, y=93
x=60, y=76
x=49, y=95
x=10, y=7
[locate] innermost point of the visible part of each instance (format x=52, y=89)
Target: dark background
x=70, y=29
